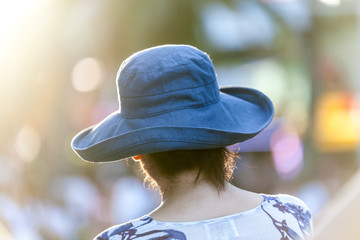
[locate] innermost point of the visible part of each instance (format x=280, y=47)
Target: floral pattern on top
x=303, y=217
x=129, y=232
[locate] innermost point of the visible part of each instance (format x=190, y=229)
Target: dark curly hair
x=214, y=165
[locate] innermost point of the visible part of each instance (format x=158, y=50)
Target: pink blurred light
x=288, y=155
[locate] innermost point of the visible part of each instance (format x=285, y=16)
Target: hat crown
x=164, y=79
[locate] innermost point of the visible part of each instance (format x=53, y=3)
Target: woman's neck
x=185, y=200
x=186, y=184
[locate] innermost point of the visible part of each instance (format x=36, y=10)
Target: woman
x=176, y=122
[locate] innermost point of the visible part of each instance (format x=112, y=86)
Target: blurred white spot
x=266, y=75
x=244, y=27
x=80, y=196
x=270, y=77
x=130, y=199
x=334, y=3
x=296, y=13
x=87, y=75
x=28, y=143
x=315, y=195
x=14, y=215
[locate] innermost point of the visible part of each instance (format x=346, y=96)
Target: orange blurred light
x=337, y=122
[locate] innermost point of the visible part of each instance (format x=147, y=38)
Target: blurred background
x=58, y=63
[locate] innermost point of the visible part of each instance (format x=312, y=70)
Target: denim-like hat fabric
x=169, y=99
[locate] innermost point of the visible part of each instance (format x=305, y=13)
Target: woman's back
x=175, y=120
x=277, y=217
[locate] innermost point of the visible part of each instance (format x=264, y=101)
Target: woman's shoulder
x=126, y=229
x=285, y=199
x=144, y=228
x=289, y=210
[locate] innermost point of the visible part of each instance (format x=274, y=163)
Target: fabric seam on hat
x=195, y=60
x=172, y=110
x=154, y=94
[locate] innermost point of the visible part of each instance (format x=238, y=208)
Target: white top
x=278, y=217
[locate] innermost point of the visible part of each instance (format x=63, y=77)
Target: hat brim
x=240, y=114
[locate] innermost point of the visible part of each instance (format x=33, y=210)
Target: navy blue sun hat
x=169, y=99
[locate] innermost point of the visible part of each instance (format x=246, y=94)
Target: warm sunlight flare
x=12, y=14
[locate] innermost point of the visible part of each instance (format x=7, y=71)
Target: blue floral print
x=302, y=216
x=129, y=232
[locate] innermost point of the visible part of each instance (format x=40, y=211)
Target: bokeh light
x=245, y=26
x=288, y=155
x=87, y=75
x=332, y=3
x=337, y=122
x=28, y=143
x=270, y=78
